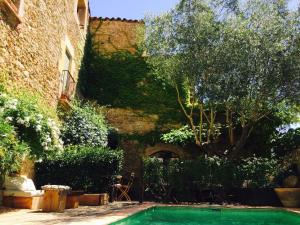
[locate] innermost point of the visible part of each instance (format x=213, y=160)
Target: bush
x=12, y=151
x=181, y=136
x=84, y=125
x=182, y=179
x=32, y=127
x=82, y=168
x=283, y=143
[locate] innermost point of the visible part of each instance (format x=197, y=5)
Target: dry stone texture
x=30, y=54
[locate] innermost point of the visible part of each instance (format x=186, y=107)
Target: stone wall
x=111, y=35
x=31, y=52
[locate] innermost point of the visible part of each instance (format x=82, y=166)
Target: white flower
x=3, y=95
x=46, y=148
x=20, y=121
x=38, y=128
x=9, y=119
x=39, y=116
x=12, y=104
x=27, y=119
x=60, y=142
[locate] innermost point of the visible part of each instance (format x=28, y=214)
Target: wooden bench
x=23, y=199
x=94, y=199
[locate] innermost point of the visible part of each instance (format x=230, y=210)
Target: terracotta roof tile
x=116, y=19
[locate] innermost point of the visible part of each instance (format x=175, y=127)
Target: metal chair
x=123, y=189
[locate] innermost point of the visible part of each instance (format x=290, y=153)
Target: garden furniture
x=55, y=198
x=20, y=192
x=94, y=199
x=123, y=189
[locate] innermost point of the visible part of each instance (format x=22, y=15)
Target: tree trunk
x=246, y=131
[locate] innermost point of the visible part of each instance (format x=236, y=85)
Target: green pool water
x=209, y=216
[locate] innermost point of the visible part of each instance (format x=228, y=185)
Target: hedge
x=82, y=168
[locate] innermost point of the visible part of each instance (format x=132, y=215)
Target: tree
x=242, y=64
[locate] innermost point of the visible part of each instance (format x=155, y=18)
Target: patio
x=82, y=215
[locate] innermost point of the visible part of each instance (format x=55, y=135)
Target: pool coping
x=203, y=206
x=105, y=215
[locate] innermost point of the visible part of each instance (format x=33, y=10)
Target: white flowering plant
x=84, y=125
x=40, y=132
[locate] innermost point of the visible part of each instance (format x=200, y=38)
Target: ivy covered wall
x=115, y=74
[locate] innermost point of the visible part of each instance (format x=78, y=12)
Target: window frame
x=82, y=26
x=16, y=10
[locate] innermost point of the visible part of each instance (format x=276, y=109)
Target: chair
x=123, y=189
x=20, y=192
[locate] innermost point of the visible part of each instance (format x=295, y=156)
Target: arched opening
x=165, y=156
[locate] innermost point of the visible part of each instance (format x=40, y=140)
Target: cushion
x=20, y=183
x=11, y=193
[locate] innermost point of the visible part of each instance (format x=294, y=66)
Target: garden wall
x=32, y=50
x=117, y=76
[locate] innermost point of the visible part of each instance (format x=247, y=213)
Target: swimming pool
x=210, y=216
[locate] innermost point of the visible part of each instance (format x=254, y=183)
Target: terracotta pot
x=289, y=197
x=290, y=181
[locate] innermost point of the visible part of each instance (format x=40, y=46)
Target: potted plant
x=289, y=193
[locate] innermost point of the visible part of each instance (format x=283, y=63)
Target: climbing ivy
x=124, y=80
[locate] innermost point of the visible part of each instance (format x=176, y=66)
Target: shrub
x=284, y=143
x=12, y=151
x=84, y=125
x=82, y=168
x=32, y=127
x=182, y=179
x=181, y=136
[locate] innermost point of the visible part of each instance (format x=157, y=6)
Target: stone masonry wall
x=32, y=53
x=111, y=35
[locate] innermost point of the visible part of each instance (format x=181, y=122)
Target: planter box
x=93, y=199
x=255, y=196
x=73, y=199
x=55, y=198
x=289, y=197
x=34, y=203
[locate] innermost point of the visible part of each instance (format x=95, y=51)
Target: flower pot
x=289, y=197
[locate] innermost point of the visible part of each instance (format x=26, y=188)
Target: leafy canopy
x=243, y=62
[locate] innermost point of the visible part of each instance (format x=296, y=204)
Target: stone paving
x=88, y=215
x=83, y=215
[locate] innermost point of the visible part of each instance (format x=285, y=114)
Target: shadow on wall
x=124, y=80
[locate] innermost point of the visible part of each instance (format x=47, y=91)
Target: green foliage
x=12, y=151
x=245, y=63
x=123, y=79
x=181, y=136
x=180, y=179
x=283, y=143
x=32, y=127
x=84, y=125
x=82, y=168
x=258, y=171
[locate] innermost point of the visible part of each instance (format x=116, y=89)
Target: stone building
x=115, y=34
x=112, y=35
x=42, y=44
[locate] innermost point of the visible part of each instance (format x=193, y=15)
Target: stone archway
x=164, y=148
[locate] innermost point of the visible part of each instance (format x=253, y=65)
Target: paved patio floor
x=90, y=215
x=87, y=215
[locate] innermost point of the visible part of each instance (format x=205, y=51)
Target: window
x=81, y=13
x=67, y=83
x=13, y=10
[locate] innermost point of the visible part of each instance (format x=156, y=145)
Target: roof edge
x=116, y=19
